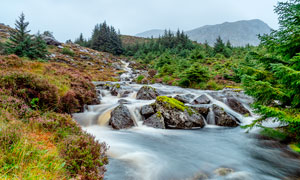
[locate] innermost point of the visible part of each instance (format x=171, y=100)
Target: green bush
x=67, y=51
x=194, y=75
x=140, y=78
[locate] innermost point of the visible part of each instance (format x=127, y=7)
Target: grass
x=38, y=139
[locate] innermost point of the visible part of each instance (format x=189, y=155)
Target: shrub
x=140, y=78
x=28, y=86
x=11, y=61
x=84, y=156
x=194, y=75
x=67, y=51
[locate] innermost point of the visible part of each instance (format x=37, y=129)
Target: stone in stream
x=223, y=171
x=155, y=121
x=203, y=99
x=114, y=90
x=237, y=106
x=147, y=93
x=222, y=118
x=121, y=118
x=186, y=98
x=203, y=109
x=147, y=111
x=176, y=115
x=124, y=93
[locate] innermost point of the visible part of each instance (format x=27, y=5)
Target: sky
x=68, y=18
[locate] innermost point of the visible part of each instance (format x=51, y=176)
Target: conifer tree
x=22, y=43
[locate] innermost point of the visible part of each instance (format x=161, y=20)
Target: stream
x=146, y=153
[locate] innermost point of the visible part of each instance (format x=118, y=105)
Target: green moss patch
x=172, y=103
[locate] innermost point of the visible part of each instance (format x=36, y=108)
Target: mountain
x=154, y=32
x=240, y=33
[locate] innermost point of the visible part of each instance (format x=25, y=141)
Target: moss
x=118, y=86
x=295, y=147
x=174, y=103
x=158, y=114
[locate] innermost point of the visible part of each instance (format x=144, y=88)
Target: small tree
x=23, y=44
x=20, y=41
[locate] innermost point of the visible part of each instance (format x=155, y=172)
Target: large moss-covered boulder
x=147, y=93
x=121, y=118
x=222, y=118
x=176, y=115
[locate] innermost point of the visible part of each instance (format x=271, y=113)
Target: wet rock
x=223, y=171
x=199, y=176
x=186, y=98
x=222, y=118
x=125, y=93
x=237, y=106
x=203, y=110
x=124, y=101
x=155, y=121
x=147, y=111
x=176, y=115
x=203, y=99
x=114, y=89
x=147, y=93
x=121, y=118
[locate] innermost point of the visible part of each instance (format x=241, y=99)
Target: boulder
x=147, y=111
x=222, y=118
x=155, y=121
x=114, y=90
x=125, y=93
x=147, y=93
x=51, y=40
x=121, y=118
x=237, y=106
x=203, y=99
x=176, y=115
x=186, y=98
x=124, y=101
x=202, y=109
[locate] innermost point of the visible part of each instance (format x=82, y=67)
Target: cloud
x=68, y=18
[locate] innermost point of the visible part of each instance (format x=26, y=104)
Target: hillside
x=130, y=40
x=239, y=33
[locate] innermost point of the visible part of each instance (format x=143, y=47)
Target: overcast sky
x=68, y=18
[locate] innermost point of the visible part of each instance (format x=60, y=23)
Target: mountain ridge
x=239, y=33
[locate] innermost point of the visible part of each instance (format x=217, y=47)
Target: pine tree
x=20, y=41
x=228, y=45
x=219, y=46
x=23, y=44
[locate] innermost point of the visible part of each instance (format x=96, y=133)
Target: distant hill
x=239, y=33
x=155, y=33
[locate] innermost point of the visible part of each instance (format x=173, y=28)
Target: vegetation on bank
x=175, y=60
x=38, y=137
x=271, y=74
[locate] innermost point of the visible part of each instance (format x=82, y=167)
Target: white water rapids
x=145, y=153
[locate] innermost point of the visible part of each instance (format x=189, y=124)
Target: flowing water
x=144, y=153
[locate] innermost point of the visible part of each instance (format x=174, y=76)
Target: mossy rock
x=172, y=103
